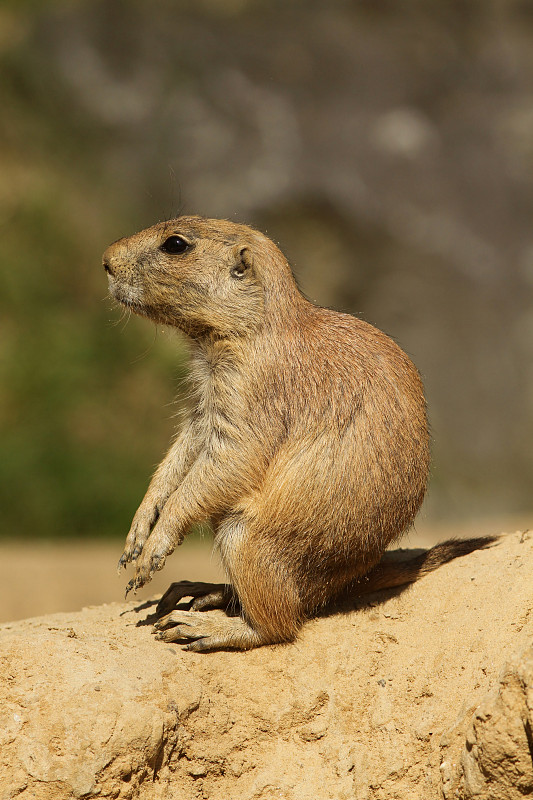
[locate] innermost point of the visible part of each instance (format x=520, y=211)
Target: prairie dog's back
x=356, y=451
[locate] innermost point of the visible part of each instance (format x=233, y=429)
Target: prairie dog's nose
x=112, y=257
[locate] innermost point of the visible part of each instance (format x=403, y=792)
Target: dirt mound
x=411, y=693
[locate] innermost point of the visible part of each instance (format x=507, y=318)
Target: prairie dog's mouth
x=125, y=293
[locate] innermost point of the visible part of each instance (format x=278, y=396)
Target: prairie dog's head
x=200, y=275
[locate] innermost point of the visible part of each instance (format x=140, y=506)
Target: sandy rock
x=496, y=762
x=399, y=696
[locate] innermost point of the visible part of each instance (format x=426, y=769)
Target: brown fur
x=307, y=445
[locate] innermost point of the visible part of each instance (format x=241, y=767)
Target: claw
x=122, y=562
x=132, y=585
x=137, y=552
x=160, y=624
x=199, y=646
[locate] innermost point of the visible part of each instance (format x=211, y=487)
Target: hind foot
x=204, y=596
x=208, y=632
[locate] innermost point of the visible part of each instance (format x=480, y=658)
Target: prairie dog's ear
x=244, y=261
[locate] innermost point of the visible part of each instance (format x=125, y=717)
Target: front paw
x=142, y=524
x=145, y=568
x=152, y=558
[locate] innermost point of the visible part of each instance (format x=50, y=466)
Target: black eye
x=175, y=245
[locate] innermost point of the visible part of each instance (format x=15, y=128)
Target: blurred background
x=386, y=146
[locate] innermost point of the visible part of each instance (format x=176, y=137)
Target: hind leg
x=204, y=596
x=271, y=607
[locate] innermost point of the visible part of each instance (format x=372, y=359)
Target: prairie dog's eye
x=175, y=245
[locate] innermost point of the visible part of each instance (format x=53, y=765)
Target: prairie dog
x=307, y=445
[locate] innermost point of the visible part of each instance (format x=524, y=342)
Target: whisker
x=149, y=348
x=126, y=316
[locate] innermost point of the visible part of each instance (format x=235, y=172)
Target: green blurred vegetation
x=86, y=393
x=83, y=393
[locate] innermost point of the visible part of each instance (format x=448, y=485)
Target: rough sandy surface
x=405, y=695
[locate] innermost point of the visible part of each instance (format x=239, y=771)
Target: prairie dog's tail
x=392, y=571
